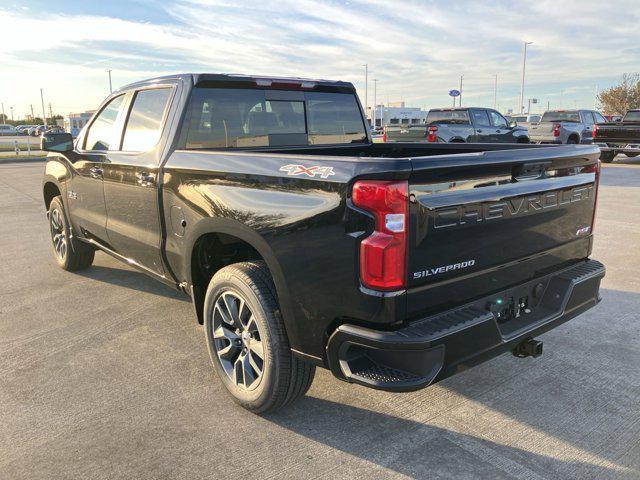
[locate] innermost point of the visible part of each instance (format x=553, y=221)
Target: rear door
x=95, y=150
x=131, y=176
x=587, y=126
x=485, y=132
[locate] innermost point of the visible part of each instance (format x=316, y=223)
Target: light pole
x=4, y=118
x=460, y=100
x=366, y=88
x=524, y=63
x=375, y=101
x=11, y=113
x=495, y=91
x=110, y=87
x=44, y=114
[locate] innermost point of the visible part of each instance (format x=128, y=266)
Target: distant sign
x=454, y=93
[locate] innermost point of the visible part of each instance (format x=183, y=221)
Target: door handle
x=96, y=172
x=145, y=178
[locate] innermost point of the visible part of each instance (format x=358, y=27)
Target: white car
x=7, y=130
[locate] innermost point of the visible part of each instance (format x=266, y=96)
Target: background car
x=7, y=130
x=525, y=120
x=565, y=126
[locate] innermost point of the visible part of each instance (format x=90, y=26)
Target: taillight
x=383, y=254
x=384, y=135
x=431, y=137
x=594, y=134
x=556, y=130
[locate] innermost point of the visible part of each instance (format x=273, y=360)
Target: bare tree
x=622, y=97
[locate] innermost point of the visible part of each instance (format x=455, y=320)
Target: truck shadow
x=131, y=279
x=572, y=413
x=420, y=449
x=619, y=176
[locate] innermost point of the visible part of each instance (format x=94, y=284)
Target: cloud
x=416, y=49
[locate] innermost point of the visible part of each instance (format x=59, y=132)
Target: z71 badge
x=324, y=172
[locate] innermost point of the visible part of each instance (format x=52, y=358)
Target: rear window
x=561, y=117
x=236, y=118
x=448, y=116
x=632, y=117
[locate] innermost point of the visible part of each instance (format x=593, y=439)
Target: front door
x=502, y=132
x=130, y=181
x=85, y=192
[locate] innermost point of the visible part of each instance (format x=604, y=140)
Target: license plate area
x=520, y=307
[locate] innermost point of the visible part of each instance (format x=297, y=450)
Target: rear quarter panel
x=299, y=223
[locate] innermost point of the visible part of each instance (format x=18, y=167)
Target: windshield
x=448, y=116
x=234, y=118
x=561, y=117
x=633, y=116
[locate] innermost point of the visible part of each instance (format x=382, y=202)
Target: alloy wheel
x=237, y=341
x=58, y=235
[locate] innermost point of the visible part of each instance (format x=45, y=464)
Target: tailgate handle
x=529, y=171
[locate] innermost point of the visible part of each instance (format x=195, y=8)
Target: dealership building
x=74, y=122
x=396, y=114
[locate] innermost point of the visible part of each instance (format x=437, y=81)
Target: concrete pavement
x=105, y=374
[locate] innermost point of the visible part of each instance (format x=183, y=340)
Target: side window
x=480, y=118
x=498, y=120
x=586, y=117
x=144, y=125
x=599, y=118
x=102, y=134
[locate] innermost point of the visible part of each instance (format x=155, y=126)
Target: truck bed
x=482, y=204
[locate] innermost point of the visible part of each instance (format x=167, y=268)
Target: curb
x=4, y=160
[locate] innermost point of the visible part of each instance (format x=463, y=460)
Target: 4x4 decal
x=324, y=172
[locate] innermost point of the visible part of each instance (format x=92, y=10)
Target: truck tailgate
x=630, y=133
x=542, y=131
x=484, y=221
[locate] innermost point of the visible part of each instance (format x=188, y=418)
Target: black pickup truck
x=618, y=137
x=459, y=125
x=301, y=243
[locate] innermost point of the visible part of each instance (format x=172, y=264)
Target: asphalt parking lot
x=104, y=374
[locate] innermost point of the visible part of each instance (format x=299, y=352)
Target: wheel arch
x=50, y=190
x=574, y=136
x=252, y=246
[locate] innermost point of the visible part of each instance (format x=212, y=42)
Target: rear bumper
x=622, y=148
x=436, y=347
x=547, y=140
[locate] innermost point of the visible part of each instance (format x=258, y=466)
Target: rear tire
x=632, y=155
x=70, y=253
x=247, y=341
x=607, y=157
x=572, y=141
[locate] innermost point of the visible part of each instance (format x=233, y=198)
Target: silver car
x=565, y=126
x=525, y=120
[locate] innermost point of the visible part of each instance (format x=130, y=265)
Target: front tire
x=70, y=253
x=247, y=341
x=632, y=155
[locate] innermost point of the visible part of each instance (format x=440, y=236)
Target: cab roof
x=230, y=80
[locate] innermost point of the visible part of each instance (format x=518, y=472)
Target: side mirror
x=56, y=142
x=513, y=124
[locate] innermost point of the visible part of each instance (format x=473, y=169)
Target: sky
x=417, y=50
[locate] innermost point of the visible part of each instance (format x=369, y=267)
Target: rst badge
x=324, y=172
